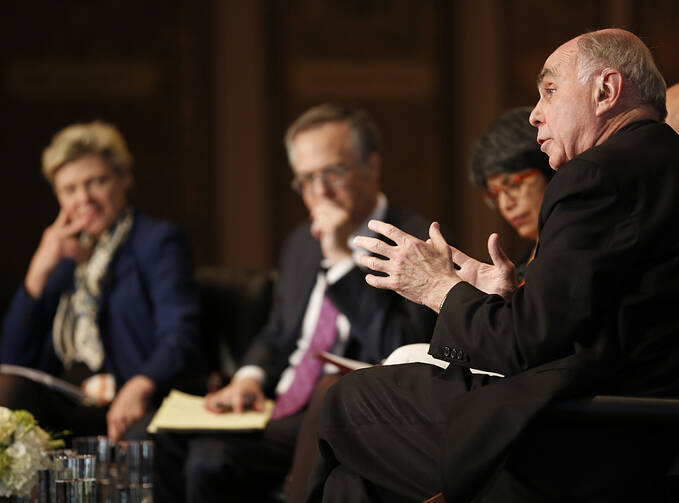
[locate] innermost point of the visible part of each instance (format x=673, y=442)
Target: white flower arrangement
x=23, y=451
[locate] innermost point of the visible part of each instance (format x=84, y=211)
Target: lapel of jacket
x=300, y=285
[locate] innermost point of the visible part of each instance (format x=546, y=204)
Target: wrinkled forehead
x=560, y=63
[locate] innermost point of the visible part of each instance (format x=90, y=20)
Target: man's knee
x=205, y=470
x=339, y=399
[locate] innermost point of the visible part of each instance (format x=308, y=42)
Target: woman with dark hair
x=508, y=165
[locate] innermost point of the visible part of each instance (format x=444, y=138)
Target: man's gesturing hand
x=498, y=278
x=424, y=271
x=420, y=271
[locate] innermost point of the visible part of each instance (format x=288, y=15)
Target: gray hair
x=365, y=133
x=626, y=53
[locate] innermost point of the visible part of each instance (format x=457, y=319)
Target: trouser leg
x=386, y=424
x=227, y=466
x=306, y=448
x=344, y=486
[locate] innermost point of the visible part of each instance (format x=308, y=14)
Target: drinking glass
x=101, y=447
x=134, y=471
x=75, y=479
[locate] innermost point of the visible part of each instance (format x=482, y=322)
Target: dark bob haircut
x=508, y=146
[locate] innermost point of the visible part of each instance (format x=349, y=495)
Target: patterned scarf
x=75, y=330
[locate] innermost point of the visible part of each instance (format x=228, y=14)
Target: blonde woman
x=108, y=292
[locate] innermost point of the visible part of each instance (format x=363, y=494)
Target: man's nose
x=536, y=117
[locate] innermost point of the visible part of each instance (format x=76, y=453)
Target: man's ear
x=609, y=90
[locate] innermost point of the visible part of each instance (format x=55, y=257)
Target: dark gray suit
x=380, y=320
x=246, y=466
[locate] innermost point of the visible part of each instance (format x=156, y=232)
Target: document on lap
x=181, y=412
x=342, y=363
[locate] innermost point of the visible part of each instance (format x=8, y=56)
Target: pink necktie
x=309, y=369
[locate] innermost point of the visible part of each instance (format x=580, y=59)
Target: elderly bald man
x=596, y=316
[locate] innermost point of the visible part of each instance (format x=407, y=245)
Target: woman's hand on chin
x=59, y=240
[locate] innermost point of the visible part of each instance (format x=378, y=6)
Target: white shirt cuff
x=252, y=372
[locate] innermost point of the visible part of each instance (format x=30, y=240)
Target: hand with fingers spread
x=238, y=396
x=331, y=225
x=59, y=240
x=496, y=278
x=420, y=271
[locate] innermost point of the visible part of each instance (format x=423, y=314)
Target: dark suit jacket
x=598, y=311
x=380, y=320
x=148, y=315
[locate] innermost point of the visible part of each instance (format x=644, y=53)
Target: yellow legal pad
x=183, y=412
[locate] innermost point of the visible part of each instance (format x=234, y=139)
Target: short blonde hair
x=75, y=141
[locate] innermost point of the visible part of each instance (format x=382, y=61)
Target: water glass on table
x=75, y=479
x=134, y=471
x=101, y=447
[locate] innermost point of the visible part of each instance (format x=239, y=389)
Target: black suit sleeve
x=569, y=285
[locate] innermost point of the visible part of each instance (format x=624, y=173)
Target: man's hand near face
x=331, y=225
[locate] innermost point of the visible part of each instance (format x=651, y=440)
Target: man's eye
x=550, y=90
x=335, y=171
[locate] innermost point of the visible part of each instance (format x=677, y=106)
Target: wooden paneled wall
x=203, y=91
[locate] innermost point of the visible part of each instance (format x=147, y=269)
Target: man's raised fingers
x=394, y=233
x=458, y=257
x=373, y=245
x=379, y=281
x=497, y=255
x=373, y=263
x=436, y=237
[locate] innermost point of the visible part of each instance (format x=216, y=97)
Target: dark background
x=203, y=92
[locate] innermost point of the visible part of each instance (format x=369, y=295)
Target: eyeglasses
x=512, y=186
x=333, y=176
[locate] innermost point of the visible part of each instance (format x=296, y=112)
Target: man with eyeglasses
x=322, y=304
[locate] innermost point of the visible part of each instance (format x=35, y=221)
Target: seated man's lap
x=387, y=423
x=240, y=463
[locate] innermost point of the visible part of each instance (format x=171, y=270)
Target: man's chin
x=556, y=161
